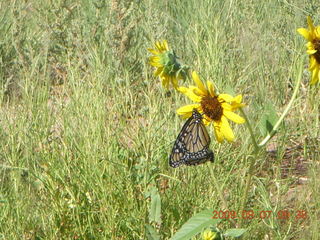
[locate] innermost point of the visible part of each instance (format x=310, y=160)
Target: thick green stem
x=254, y=141
x=251, y=166
x=257, y=147
x=285, y=112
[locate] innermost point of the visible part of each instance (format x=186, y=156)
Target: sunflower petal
x=198, y=82
x=310, y=24
x=165, y=82
x=233, y=117
x=217, y=131
x=189, y=92
x=182, y=89
x=208, y=235
x=158, y=72
x=186, y=111
x=158, y=46
x=211, y=88
x=236, y=103
x=206, y=120
x=305, y=33
x=155, y=61
x=165, y=45
x=175, y=83
x=226, y=129
x=315, y=76
x=313, y=63
x=153, y=51
x=309, y=45
x=312, y=51
x=226, y=106
x=238, y=98
x=226, y=97
x=235, y=106
x=317, y=32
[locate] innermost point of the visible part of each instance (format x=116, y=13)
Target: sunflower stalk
x=252, y=163
x=285, y=112
x=257, y=147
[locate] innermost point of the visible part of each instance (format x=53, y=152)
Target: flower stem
x=252, y=163
x=257, y=147
x=254, y=141
x=285, y=112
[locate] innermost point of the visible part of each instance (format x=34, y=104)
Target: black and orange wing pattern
x=192, y=144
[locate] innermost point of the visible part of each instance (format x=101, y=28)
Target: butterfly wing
x=179, y=149
x=192, y=144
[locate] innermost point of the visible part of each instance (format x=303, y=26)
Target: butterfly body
x=192, y=144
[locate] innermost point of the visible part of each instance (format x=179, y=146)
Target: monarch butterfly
x=192, y=144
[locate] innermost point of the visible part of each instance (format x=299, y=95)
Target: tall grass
x=86, y=129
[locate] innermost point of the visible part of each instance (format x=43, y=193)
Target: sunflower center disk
x=316, y=43
x=212, y=107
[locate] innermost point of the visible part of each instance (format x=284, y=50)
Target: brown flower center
x=316, y=43
x=212, y=107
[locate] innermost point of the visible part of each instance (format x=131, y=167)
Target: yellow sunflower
x=312, y=35
x=209, y=235
x=216, y=108
x=167, y=66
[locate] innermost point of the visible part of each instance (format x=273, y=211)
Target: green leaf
x=268, y=120
x=155, y=209
x=195, y=225
x=151, y=233
x=235, y=232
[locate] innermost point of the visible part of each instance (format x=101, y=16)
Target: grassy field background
x=86, y=129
